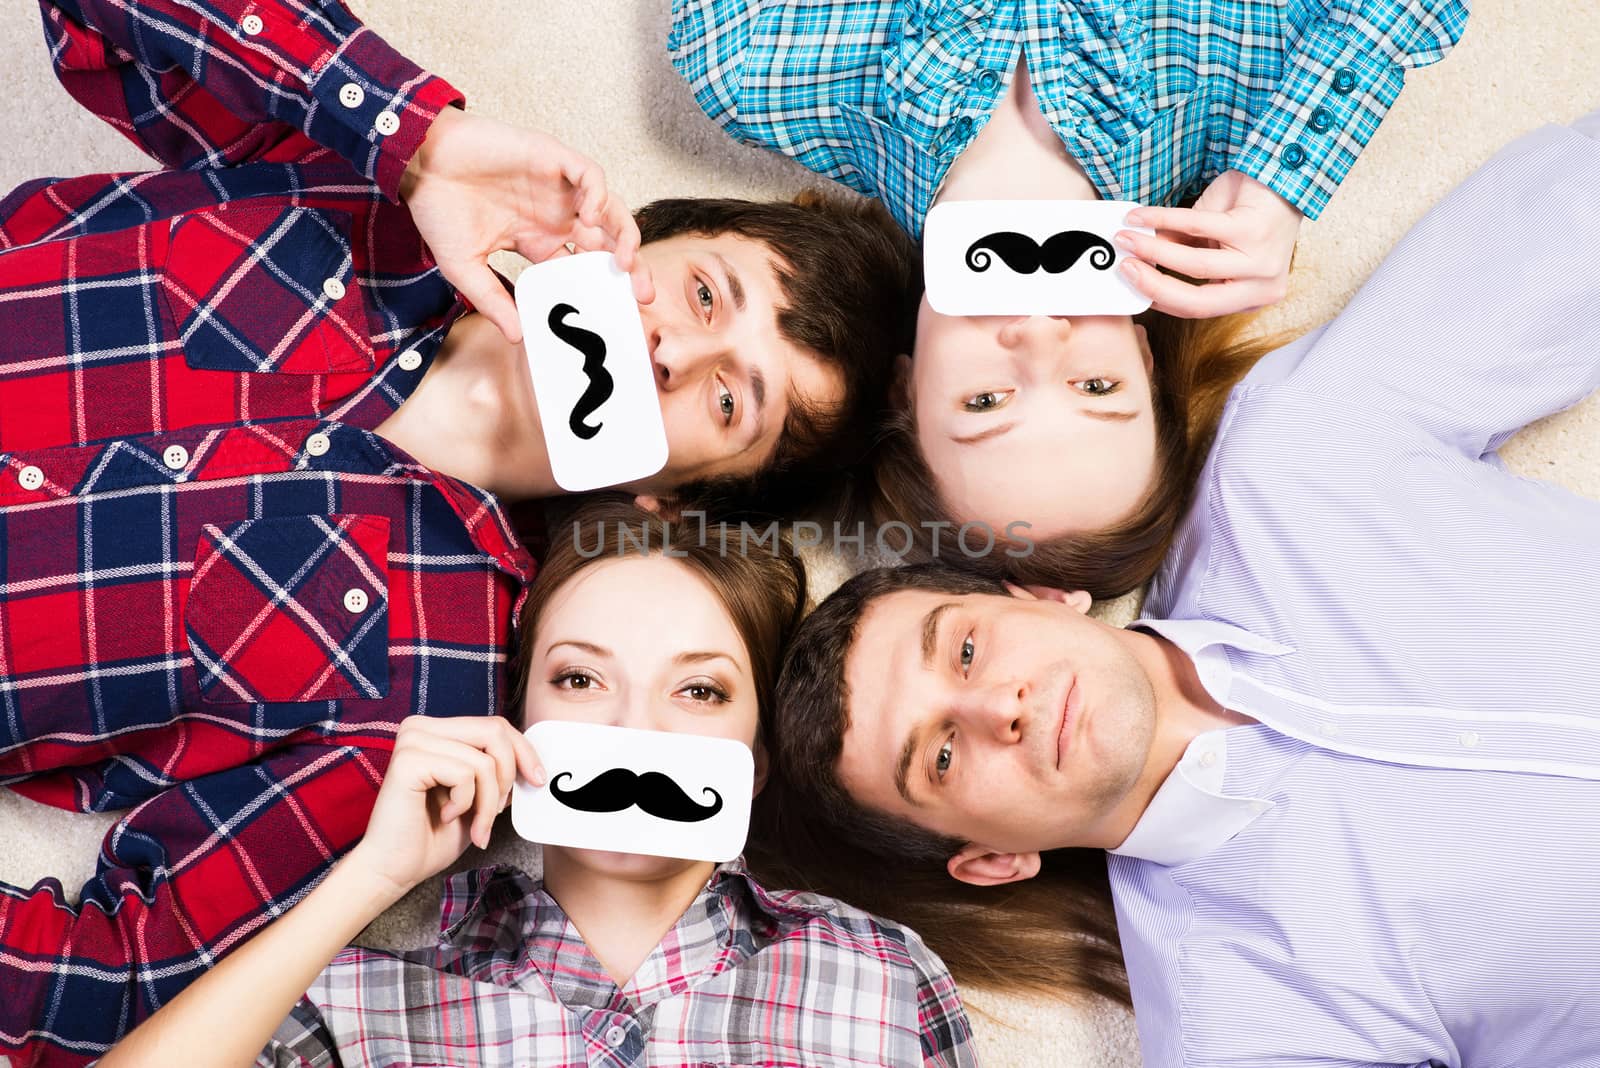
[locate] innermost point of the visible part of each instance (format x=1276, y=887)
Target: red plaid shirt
x=746, y=976
x=219, y=592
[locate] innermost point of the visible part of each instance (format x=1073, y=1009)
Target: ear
x=900, y=384
x=664, y=507
x=978, y=865
x=1143, y=337
x=759, y=751
x=1078, y=599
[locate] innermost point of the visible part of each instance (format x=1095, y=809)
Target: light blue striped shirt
x=1400, y=863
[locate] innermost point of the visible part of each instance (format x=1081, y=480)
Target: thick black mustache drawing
x=1025, y=255
x=593, y=347
x=653, y=792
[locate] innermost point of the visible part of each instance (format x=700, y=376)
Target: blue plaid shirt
x=1154, y=98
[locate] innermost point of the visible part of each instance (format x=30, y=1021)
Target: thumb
x=482, y=287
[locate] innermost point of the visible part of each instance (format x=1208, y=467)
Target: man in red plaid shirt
x=254, y=446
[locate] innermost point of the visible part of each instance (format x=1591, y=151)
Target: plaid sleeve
x=184, y=879
x=707, y=45
x=946, y=1034
x=206, y=83
x=1338, y=83
x=301, y=1041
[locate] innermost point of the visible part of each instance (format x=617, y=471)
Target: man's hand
x=478, y=186
x=1238, y=239
x=447, y=780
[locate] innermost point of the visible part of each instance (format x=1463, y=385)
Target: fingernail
x=538, y=777
x=1130, y=268
x=1133, y=218
x=1123, y=241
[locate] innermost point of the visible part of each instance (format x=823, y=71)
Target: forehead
x=633, y=603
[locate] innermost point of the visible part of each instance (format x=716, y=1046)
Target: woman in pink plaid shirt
x=611, y=959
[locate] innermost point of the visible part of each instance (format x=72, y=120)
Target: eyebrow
x=992, y=432
x=930, y=631
x=701, y=657
x=930, y=642
x=1113, y=416
x=735, y=287
x=588, y=647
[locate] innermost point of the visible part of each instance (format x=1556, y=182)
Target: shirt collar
x=1190, y=814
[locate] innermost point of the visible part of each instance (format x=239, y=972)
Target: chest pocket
x=267, y=289
x=292, y=608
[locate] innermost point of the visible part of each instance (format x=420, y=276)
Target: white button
x=1258, y=807
x=1469, y=738
x=386, y=123
x=352, y=95
x=616, y=1035
x=252, y=24
x=317, y=444
x=355, y=600
x=30, y=477
x=1330, y=730
x=1207, y=759
x=176, y=457
x=410, y=360
x=333, y=289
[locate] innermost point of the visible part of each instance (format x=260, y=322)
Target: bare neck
x=621, y=920
x=1184, y=711
x=473, y=415
x=1017, y=156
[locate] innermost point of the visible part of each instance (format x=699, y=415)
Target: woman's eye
x=968, y=649
x=986, y=401
x=1098, y=387
x=704, y=693
x=703, y=295
x=941, y=763
x=573, y=680
x=725, y=404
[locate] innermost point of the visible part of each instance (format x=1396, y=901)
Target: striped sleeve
x=1338, y=83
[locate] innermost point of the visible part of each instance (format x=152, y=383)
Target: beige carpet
x=595, y=75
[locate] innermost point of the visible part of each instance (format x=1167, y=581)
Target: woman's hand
x=478, y=186
x=1238, y=239
x=447, y=780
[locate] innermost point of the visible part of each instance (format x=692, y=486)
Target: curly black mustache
x=654, y=793
x=593, y=347
x=1024, y=255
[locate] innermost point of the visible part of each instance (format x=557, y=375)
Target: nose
x=1034, y=335
x=679, y=360
x=997, y=711
x=635, y=710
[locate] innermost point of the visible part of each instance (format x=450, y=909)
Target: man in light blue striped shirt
x=1348, y=767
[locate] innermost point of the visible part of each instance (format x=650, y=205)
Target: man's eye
x=967, y=651
x=725, y=404
x=703, y=294
x=941, y=763
x=1099, y=387
x=986, y=401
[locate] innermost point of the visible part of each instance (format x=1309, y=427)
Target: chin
x=632, y=866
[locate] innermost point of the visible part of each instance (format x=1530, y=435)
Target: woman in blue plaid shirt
x=1254, y=110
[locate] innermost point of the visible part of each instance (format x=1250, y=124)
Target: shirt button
x=252, y=24
x=616, y=1036
x=317, y=444
x=964, y=124
x=333, y=289
x=1293, y=156
x=30, y=477
x=410, y=360
x=1344, y=81
x=176, y=457
x=1207, y=759
x=988, y=79
x=1258, y=807
x=1322, y=120
x=1329, y=730
x=386, y=123
x=351, y=95
x=355, y=601
x=1469, y=738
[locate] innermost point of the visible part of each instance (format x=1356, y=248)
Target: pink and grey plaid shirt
x=747, y=976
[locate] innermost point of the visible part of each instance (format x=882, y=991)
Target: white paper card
x=1028, y=257
x=660, y=793
x=592, y=376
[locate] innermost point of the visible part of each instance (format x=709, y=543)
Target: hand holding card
x=659, y=793
x=593, y=379
x=1027, y=257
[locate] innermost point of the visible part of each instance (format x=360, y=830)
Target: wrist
x=423, y=160
x=360, y=888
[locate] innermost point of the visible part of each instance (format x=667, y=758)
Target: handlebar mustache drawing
x=1025, y=255
x=600, y=386
x=654, y=793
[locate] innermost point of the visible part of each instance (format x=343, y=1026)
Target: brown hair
x=1197, y=361
x=1055, y=934
x=851, y=279
x=763, y=593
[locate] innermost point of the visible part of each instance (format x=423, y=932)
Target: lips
x=1069, y=717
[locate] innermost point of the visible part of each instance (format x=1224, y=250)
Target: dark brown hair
x=1197, y=361
x=763, y=592
x=851, y=279
x=1055, y=934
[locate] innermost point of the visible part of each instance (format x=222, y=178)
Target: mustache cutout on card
x=620, y=788
x=1027, y=257
x=600, y=386
x=663, y=793
x=1056, y=254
